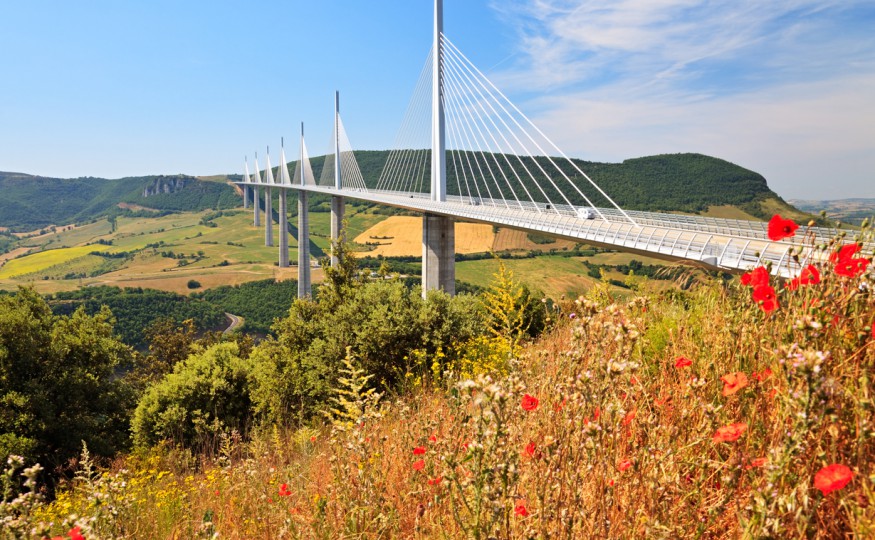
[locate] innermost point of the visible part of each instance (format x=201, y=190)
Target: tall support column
x=304, y=287
x=283, y=231
x=245, y=197
x=337, y=203
x=256, y=207
x=268, y=217
x=438, y=254
x=337, y=207
x=438, y=232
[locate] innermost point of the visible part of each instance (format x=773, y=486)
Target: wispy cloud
x=784, y=87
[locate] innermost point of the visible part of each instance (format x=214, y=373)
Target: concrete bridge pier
x=438, y=254
x=268, y=218
x=304, y=286
x=336, y=226
x=256, y=207
x=245, y=197
x=283, y=231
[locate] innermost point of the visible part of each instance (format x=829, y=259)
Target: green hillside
x=671, y=182
x=32, y=202
x=664, y=183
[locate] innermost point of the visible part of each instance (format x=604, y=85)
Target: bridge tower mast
x=283, y=229
x=246, y=179
x=337, y=202
x=256, y=194
x=304, y=287
x=438, y=232
x=268, y=199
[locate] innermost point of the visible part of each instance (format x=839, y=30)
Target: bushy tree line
x=137, y=308
x=59, y=383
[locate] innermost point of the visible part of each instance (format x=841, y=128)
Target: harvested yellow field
x=45, y=259
x=402, y=236
x=511, y=240
x=177, y=281
x=17, y=252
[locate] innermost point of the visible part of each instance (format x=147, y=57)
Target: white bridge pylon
x=495, y=166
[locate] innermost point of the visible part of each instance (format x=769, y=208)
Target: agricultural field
x=552, y=275
x=230, y=252
x=166, y=252
x=400, y=236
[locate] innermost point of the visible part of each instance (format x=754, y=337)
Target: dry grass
x=620, y=440
x=402, y=236
x=514, y=240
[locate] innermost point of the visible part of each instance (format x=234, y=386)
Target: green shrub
x=381, y=322
x=58, y=382
x=206, y=394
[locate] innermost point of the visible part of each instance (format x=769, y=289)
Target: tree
x=206, y=394
x=59, y=383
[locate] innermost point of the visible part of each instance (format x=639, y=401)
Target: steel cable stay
x=456, y=51
x=509, y=146
x=478, y=137
x=454, y=119
x=521, y=144
x=496, y=151
x=404, y=161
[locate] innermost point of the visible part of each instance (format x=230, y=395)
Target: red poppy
x=729, y=433
x=765, y=296
x=832, y=477
x=756, y=277
x=596, y=413
x=433, y=438
x=531, y=449
x=793, y=284
x=520, y=510
x=780, y=228
x=662, y=401
x=284, y=490
x=625, y=464
x=610, y=482
x=529, y=403
x=419, y=465
x=628, y=418
x=559, y=406
x=733, y=382
x=810, y=275
x=757, y=462
x=435, y=481
x=418, y=451
x=845, y=252
x=851, y=267
x=762, y=375
x=682, y=362
x=75, y=534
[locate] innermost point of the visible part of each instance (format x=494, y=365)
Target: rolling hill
x=691, y=183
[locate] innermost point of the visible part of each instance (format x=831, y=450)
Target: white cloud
x=771, y=86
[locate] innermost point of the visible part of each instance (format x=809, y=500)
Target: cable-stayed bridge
x=465, y=152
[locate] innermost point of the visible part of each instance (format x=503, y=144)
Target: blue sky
x=113, y=89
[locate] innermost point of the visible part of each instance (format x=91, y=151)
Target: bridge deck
x=726, y=244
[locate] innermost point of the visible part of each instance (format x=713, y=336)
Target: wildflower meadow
x=725, y=407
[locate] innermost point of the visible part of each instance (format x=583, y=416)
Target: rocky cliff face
x=164, y=185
